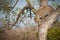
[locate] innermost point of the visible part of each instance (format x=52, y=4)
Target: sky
x=21, y=3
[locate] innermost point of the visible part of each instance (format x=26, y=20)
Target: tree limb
x=19, y=15
x=14, y=4
x=43, y=3
x=46, y=24
x=27, y=6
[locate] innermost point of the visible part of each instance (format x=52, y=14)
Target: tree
x=45, y=17
x=45, y=22
x=6, y=8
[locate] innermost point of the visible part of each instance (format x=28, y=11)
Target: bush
x=53, y=33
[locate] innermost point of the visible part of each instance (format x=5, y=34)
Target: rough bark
x=43, y=3
x=46, y=24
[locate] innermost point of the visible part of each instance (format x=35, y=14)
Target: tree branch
x=28, y=6
x=47, y=23
x=19, y=15
x=43, y=3
x=15, y=4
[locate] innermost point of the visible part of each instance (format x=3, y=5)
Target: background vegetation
x=29, y=33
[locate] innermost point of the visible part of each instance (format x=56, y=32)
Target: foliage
x=28, y=1
x=54, y=33
x=7, y=5
x=57, y=24
x=37, y=34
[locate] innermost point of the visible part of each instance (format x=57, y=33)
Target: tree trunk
x=43, y=3
x=45, y=26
